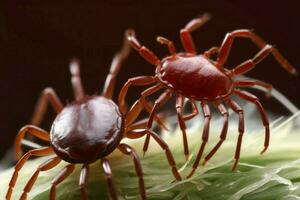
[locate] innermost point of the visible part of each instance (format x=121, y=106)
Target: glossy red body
x=87, y=130
x=195, y=77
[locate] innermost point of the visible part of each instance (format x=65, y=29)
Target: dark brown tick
x=200, y=78
x=86, y=130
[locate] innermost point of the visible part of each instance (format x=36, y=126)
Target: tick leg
x=251, y=63
x=76, y=80
x=194, y=111
x=169, y=43
x=84, y=173
x=48, y=95
x=244, y=33
x=36, y=152
x=205, y=134
x=33, y=130
x=144, y=51
x=115, y=68
x=140, y=81
x=47, y=165
x=134, y=134
x=250, y=83
x=108, y=176
x=126, y=149
x=185, y=33
x=162, y=99
x=62, y=175
x=141, y=103
x=236, y=108
x=222, y=110
x=250, y=97
x=179, y=105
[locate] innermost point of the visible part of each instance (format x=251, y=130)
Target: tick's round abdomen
x=196, y=77
x=87, y=130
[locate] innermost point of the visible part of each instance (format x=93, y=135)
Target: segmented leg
x=33, y=130
x=141, y=103
x=76, y=80
x=84, y=173
x=115, y=67
x=251, y=63
x=136, y=81
x=169, y=43
x=185, y=33
x=144, y=51
x=179, y=106
x=223, y=111
x=108, y=175
x=249, y=83
x=133, y=134
x=205, y=134
x=126, y=149
x=243, y=33
x=47, y=165
x=194, y=111
x=36, y=152
x=236, y=108
x=48, y=95
x=162, y=99
x=63, y=174
x=250, y=97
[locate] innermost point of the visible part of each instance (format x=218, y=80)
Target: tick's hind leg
x=108, y=176
x=126, y=149
x=205, y=134
x=76, y=79
x=236, y=108
x=244, y=33
x=36, y=152
x=185, y=33
x=144, y=51
x=222, y=110
x=48, y=95
x=115, y=67
x=63, y=174
x=47, y=165
x=250, y=97
x=84, y=173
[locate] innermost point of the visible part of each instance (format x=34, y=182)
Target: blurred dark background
x=38, y=39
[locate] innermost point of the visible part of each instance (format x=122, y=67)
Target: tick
x=84, y=131
x=198, y=77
